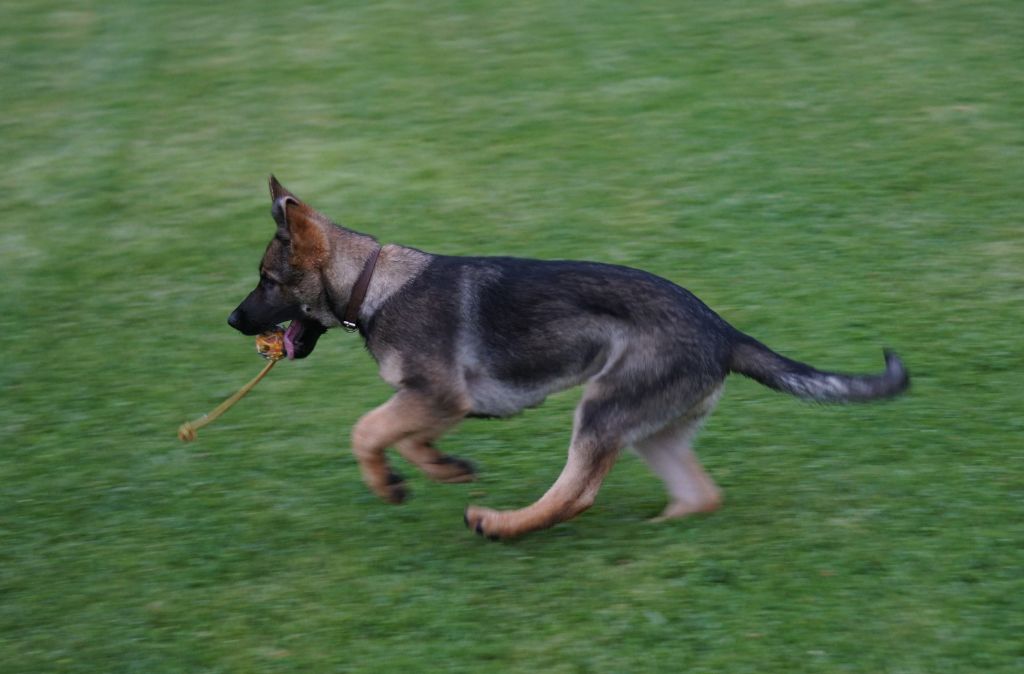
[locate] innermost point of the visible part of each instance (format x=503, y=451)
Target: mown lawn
x=832, y=177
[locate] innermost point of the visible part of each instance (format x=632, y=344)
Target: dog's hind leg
x=572, y=493
x=592, y=453
x=670, y=455
x=406, y=419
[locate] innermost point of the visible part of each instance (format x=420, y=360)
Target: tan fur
x=396, y=266
x=670, y=455
x=408, y=420
x=436, y=465
x=691, y=489
x=573, y=492
x=590, y=458
x=308, y=238
x=347, y=254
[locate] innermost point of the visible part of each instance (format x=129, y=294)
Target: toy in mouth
x=272, y=345
x=297, y=341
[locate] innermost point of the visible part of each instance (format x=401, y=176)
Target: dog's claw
x=474, y=519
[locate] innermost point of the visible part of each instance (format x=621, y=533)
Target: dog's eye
x=268, y=282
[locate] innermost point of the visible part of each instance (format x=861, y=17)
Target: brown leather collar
x=355, y=300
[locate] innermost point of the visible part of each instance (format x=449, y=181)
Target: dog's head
x=291, y=285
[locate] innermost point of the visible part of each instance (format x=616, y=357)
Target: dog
x=461, y=337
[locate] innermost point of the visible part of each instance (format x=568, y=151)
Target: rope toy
x=270, y=345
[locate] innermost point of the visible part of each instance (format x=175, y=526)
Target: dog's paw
x=452, y=469
x=483, y=521
x=395, y=490
x=677, y=509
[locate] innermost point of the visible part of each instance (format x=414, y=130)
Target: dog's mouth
x=301, y=336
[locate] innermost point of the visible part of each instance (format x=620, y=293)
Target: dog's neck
x=350, y=317
x=395, y=266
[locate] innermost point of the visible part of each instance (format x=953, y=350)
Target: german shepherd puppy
x=490, y=336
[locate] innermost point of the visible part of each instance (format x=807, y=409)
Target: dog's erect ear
x=280, y=197
x=277, y=190
x=282, y=208
x=299, y=227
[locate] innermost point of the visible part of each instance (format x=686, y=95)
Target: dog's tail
x=755, y=360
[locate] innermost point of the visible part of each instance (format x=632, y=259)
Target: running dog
x=465, y=337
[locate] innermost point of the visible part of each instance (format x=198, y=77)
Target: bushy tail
x=755, y=360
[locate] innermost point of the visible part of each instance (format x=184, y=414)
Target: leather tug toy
x=270, y=345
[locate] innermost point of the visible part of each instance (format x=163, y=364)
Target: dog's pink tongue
x=290, y=335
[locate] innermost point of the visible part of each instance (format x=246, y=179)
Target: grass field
x=832, y=177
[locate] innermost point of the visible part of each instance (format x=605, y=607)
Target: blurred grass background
x=832, y=177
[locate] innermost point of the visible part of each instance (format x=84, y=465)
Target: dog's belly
x=492, y=397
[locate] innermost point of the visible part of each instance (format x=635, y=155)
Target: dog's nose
x=235, y=319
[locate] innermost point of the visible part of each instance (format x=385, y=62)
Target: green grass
x=832, y=177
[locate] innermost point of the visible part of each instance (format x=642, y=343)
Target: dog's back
x=508, y=332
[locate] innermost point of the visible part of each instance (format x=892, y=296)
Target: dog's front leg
x=406, y=416
x=435, y=464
